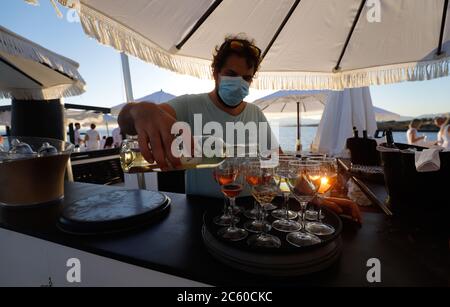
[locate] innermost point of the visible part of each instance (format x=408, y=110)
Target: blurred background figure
x=78, y=139
x=92, y=138
x=109, y=142
x=445, y=134
x=102, y=142
x=117, y=137
x=441, y=123
x=411, y=133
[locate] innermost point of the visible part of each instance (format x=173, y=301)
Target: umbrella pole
x=298, y=146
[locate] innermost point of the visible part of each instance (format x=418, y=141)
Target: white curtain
x=343, y=111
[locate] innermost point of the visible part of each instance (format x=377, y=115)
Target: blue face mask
x=232, y=90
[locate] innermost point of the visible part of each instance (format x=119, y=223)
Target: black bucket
x=423, y=195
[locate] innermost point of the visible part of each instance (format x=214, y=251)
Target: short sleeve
x=180, y=105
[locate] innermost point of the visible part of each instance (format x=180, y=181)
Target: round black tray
x=329, y=218
x=113, y=212
x=288, y=260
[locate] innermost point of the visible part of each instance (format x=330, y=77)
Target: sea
x=287, y=135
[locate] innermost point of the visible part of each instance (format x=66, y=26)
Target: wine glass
x=285, y=218
x=253, y=176
x=303, y=186
x=328, y=178
x=311, y=213
x=313, y=156
x=231, y=187
x=264, y=192
x=225, y=174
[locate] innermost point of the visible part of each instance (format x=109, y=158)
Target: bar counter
x=171, y=252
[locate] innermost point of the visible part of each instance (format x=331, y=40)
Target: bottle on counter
x=365, y=134
x=390, y=139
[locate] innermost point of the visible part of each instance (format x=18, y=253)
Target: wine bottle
x=132, y=160
x=390, y=139
x=355, y=132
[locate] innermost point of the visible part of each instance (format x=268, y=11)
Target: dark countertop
x=174, y=245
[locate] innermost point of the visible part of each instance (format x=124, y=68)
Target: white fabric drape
x=343, y=111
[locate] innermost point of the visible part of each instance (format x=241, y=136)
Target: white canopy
x=29, y=71
x=307, y=44
x=156, y=97
x=83, y=117
x=80, y=116
x=343, y=111
x=300, y=102
x=310, y=102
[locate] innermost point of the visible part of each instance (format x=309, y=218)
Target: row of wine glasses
x=303, y=178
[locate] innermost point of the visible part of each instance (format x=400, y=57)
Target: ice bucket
x=415, y=193
x=32, y=170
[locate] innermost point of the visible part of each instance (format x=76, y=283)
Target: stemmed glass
x=251, y=173
x=264, y=192
x=328, y=178
x=311, y=213
x=303, y=186
x=225, y=174
x=281, y=177
x=285, y=218
x=228, y=174
x=253, y=176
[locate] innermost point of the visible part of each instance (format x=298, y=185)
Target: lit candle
x=324, y=185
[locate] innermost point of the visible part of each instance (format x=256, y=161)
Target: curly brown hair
x=240, y=46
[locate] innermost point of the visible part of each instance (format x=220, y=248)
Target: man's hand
x=152, y=124
x=343, y=206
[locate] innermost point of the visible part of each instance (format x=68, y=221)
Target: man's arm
x=152, y=124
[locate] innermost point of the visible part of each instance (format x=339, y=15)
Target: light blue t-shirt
x=201, y=181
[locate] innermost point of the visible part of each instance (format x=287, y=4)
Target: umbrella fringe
x=109, y=32
x=54, y=92
x=417, y=71
x=18, y=46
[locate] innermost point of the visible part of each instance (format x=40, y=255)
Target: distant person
x=109, y=142
x=441, y=123
x=102, y=142
x=411, y=133
x=92, y=138
x=446, y=134
x=77, y=136
x=117, y=137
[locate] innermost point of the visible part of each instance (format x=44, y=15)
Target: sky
x=101, y=68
